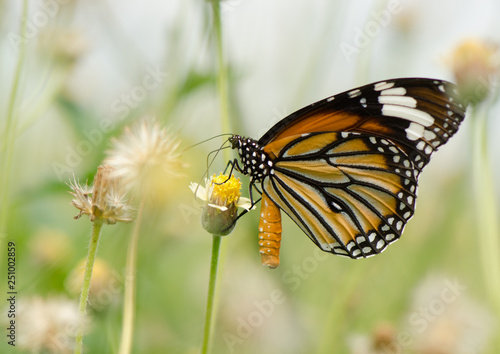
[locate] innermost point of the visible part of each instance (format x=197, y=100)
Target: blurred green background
x=89, y=62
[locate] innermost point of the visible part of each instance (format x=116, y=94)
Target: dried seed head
x=104, y=201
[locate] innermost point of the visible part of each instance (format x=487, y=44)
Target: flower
x=382, y=340
x=64, y=45
x=444, y=319
x=476, y=65
x=49, y=247
x=48, y=325
x=107, y=202
x=145, y=158
x=223, y=198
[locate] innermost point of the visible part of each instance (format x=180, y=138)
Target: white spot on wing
x=398, y=100
x=398, y=91
x=337, y=206
x=410, y=114
x=354, y=93
x=414, y=131
x=383, y=86
x=390, y=237
x=428, y=135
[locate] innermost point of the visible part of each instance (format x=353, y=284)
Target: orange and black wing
x=351, y=193
x=345, y=169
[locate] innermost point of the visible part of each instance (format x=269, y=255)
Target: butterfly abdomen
x=269, y=233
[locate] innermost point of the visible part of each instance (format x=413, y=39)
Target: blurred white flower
x=442, y=320
x=145, y=158
x=445, y=320
x=476, y=66
x=383, y=340
x=47, y=325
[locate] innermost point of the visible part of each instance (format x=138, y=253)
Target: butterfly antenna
x=206, y=140
x=210, y=162
x=216, y=152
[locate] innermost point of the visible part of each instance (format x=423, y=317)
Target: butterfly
x=345, y=169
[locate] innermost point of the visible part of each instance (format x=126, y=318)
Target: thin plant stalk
x=130, y=281
x=89, y=266
x=226, y=127
x=486, y=207
x=9, y=135
x=211, y=294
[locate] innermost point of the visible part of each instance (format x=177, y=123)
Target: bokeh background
x=90, y=62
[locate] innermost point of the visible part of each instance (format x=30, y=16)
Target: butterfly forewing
x=416, y=114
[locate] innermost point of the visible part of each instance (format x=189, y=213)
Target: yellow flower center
x=226, y=190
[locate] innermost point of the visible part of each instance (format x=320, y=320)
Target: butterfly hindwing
x=351, y=193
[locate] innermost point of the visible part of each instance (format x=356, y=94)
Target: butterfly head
x=255, y=162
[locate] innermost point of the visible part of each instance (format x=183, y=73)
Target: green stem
x=10, y=128
x=89, y=266
x=211, y=294
x=486, y=209
x=222, y=89
x=130, y=277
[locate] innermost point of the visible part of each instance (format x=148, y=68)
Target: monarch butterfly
x=345, y=169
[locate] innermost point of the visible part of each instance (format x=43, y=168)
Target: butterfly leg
x=252, y=201
x=234, y=166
